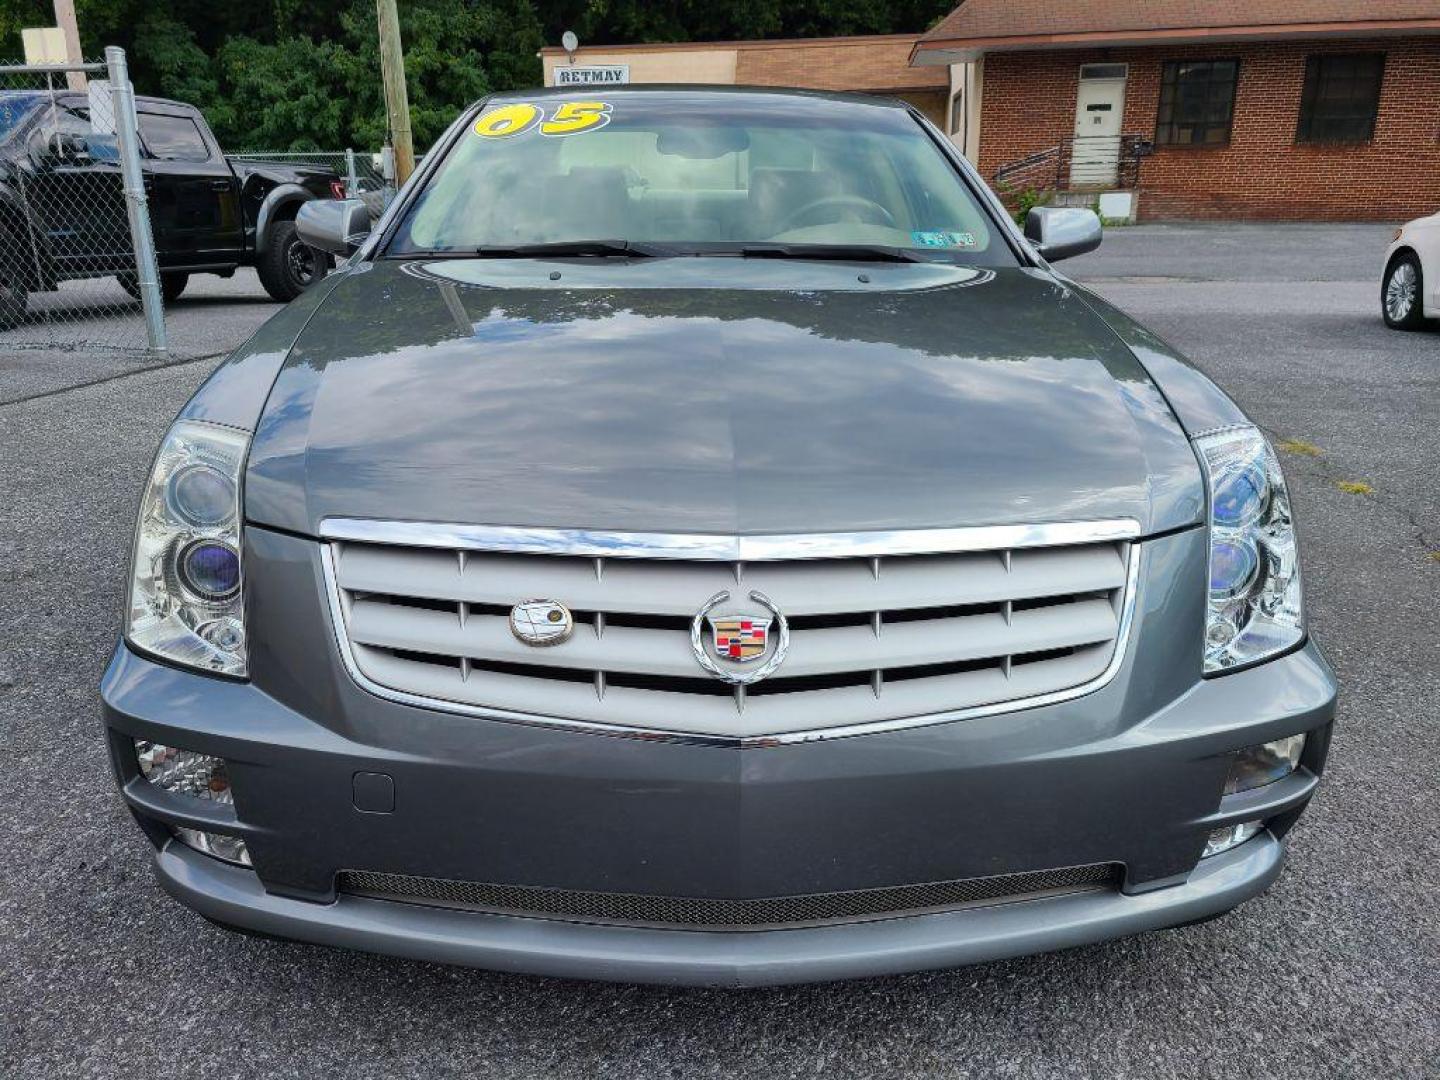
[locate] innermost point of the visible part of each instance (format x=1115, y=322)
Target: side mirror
x=1059, y=232
x=64, y=146
x=338, y=226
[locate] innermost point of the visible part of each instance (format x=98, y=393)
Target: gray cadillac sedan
x=696, y=538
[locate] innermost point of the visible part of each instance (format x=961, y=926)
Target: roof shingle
x=991, y=19
x=838, y=64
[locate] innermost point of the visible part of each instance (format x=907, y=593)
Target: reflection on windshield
x=697, y=172
x=14, y=108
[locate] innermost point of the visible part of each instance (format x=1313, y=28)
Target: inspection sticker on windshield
x=943, y=239
x=567, y=118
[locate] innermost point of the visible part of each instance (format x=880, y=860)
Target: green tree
x=295, y=75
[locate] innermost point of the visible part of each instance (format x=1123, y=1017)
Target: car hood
x=713, y=395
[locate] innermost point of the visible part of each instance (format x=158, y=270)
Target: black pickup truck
x=63, y=215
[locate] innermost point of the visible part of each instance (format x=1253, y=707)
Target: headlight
x=185, y=596
x=1255, y=605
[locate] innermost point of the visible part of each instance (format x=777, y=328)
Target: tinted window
x=695, y=172
x=1197, y=102
x=1341, y=98
x=172, y=138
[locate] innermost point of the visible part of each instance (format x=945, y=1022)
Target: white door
x=1099, y=114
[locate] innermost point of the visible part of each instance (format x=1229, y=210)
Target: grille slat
x=872, y=639
x=677, y=588
x=708, y=714
x=680, y=912
x=667, y=652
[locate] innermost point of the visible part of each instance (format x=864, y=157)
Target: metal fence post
x=147, y=275
x=352, y=182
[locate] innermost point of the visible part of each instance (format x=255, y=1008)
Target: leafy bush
x=1027, y=200
x=1020, y=201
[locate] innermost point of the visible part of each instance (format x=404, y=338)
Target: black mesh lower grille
x=685, y=911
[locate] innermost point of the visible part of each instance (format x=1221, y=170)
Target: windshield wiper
x=573, y=247
x=831, y=252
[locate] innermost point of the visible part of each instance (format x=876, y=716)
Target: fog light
x=184, y=772
x=231, y=849
x=1256, y=766
x=1230, y=836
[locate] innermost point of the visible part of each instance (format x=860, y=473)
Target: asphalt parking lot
x=1335, y=972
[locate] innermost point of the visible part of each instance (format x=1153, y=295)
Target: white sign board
x=102, y=108
x=597, y=75
x=44, y=45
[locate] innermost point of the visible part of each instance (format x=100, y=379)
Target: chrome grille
x=679, y=912
x=874, y=638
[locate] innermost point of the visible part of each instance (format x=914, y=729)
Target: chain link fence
x=363, y=173
x=77, y=266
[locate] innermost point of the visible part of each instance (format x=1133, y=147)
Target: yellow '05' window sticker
x=567, y=118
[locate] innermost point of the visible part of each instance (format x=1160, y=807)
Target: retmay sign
x=605, y=75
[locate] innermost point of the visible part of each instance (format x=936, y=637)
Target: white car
x=1410, y=289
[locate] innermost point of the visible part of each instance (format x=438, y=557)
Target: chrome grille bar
x=643, y=545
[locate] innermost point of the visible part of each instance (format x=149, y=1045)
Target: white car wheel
x=1400, y=295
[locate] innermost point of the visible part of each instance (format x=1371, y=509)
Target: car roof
x=158, y=104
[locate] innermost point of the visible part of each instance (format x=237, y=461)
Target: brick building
x=878, y=64
x=1260, y=109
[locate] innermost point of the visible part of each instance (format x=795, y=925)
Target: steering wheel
x=866, y=209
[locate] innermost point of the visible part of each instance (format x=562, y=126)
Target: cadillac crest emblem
x=736, y=641
x=741, y=638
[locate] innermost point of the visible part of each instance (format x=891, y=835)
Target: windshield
x=697, y=172
x=15, y=106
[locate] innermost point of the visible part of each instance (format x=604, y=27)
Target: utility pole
x=397, y=101
x=65, y=20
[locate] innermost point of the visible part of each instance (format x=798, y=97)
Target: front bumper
x=1128, y=775
x=235, y=896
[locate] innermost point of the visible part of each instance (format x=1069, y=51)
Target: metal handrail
x=1004, y=172
x=1052, y=167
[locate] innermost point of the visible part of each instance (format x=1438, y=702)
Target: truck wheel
x=13, y=297
x=289, y=266
x=171, y=285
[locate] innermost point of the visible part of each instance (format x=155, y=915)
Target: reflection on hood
x=987, y=398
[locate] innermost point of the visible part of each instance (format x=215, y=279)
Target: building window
x=1341, y=98
x=1103, y=71
x=1197, y=102
x=957, y=112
